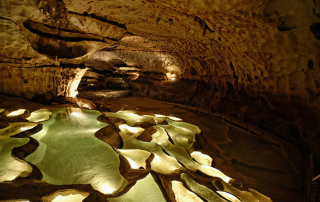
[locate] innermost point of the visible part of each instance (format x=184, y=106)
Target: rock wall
x=28, y=82
x=68, y=81
x=25, y=82
x=235, y=50
x=264, y=46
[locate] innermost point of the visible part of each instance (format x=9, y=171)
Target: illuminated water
x=69, y=153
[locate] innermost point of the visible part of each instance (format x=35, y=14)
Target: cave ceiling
x=268, y=49
x=267, y=46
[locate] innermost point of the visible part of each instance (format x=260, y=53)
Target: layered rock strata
x=238, y=50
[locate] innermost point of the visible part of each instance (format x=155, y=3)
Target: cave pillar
x=68, y=81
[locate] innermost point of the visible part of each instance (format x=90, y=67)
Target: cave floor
x=248, y=159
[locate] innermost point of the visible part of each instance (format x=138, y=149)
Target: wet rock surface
x=168, y=186
x=248, y=57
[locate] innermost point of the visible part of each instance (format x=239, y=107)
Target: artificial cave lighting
x=171, y=76
x=23, y=128
x=242, y=195
x=160, y=137
x=15, y=128
x=145, y=189
x=180, y=137
x=201, y=190
x=39, y=115
x=177, y=150
x=161, y=163
x=16, y=112
x=136, y=157
x=174, y=118
x=69, y=153
x=201, y=158
x=182, y=194
x=77, y=114
x=184, y=126
x=128, y=132
x=73, y=84
x=155, y=118
x=129, y=117
x=183, y=157
x=160, y=116
x=69, y=198
x=134, y=76
x=11, y=168
x=229, y=196
x=213, y=172
x=128, y=69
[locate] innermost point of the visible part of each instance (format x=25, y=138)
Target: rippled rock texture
x=74, y=157
x=240, y=50
x=265, y=46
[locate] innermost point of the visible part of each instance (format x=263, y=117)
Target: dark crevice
x=58, y=37
x=82, y=66
x=120, y=65
x=41, y=66
x=203, y=24
x=3, y=18
x=8, y=62
x=310, y=64
x=286, y=28
x=315, y=29
x=23, y=58
x=101, y=19
x=315, y=13
x=169, y=137
x=93, y=69
x=234, y=72
x=231, y=65
x=115, y=49
x=61, y=65
x=59, y=28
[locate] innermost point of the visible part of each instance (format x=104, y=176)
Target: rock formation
x=263, y=53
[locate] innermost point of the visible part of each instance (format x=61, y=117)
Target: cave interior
x=237, y=82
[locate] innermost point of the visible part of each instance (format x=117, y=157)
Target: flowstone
x=16, y=112
x=39, y=115
x=144, y=190
x=182, y=194
x=11, y=167
x=169, y=146
x=69, y=153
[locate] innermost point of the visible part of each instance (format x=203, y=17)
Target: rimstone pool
x=124, y=156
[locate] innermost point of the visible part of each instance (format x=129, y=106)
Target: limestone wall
x=261, y=47
x=266, y=50
x=27, y=82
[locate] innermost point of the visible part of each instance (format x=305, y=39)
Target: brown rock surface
x=258, y=60
x=110, y=135
x=258, y=46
